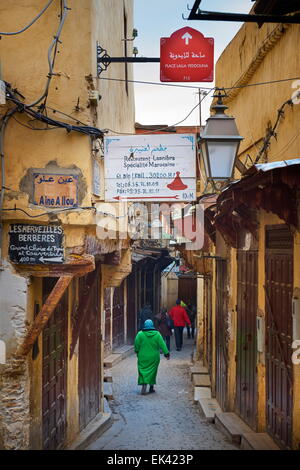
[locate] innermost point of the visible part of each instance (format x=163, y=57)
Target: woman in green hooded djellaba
x=147, y=344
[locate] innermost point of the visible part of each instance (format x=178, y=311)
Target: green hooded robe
x=147, y=345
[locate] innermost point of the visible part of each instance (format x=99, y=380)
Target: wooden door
x=54, y=376
x=108, y=319
x=89, y=349
x=247, y=290
x=221, y=333
x=279, y=369
x=187, y=289
x=131, y=308
x=118, y=316
x=150, y=288
x=208, y=321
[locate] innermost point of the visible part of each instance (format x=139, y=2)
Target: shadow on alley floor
x=165, y=420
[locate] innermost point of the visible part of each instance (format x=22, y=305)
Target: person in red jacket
x=180, y=319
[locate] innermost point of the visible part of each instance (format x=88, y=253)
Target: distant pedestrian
x=145, y=314
x=192, y=314
x=180, y=318
x=164, y=326
x=147, y=345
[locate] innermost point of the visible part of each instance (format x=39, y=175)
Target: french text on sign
x=187, y=49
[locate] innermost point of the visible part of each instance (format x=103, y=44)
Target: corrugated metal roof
x=273, y=165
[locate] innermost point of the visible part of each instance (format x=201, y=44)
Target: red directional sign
x=187, y=56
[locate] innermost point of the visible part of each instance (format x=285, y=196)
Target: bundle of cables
x=35, y=114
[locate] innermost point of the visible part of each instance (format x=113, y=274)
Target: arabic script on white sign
x=157, y=167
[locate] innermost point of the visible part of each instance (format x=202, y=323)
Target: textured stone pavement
x=165, y=420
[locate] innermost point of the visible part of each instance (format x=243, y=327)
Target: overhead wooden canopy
x=44, y=315
x=272, y=187
x=75, y=266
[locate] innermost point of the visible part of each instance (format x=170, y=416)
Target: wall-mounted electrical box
x=260, y=327
x=94, y=97
x=296, y=318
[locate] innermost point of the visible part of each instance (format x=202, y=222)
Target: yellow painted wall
x=24, y=65
x=256, y=106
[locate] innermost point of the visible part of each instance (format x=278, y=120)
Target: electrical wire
x=67, y=209
x=30, y=24
x=64, y=114
x=23, y=108
x=151, y=83
x=166, y=127
x=33, y=128
x=47, y=213
x=287, y=145
x=50, y=60
x=2, y=156
x=270, y=82
x=272, y=131
x=261, y=83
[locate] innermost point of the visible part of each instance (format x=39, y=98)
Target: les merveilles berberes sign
x=36, y=244
x=55, y=190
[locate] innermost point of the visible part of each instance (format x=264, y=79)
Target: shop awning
x=269, y=186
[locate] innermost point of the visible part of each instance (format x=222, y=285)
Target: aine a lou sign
x=187, y=56
x=55, y=190
x=159, y=167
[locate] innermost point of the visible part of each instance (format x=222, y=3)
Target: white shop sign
x=156, y=167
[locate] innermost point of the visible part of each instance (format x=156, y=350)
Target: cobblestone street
x=167, y=419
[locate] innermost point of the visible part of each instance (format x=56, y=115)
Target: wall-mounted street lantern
x=219, y=144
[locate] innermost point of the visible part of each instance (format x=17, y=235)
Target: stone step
x=201, y=392
x=106, y=407
x=257, y=441
x=112, y=360
x=125, y=350
x=201, y=380
x=232, y=426
x=107, y=377
x=198, y=370
x=209, y=406
x=108, y=390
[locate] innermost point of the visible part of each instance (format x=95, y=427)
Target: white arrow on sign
x=187, y=37
x=58, y=258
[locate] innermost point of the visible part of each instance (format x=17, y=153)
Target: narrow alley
x=165, y=198
x=167, y=419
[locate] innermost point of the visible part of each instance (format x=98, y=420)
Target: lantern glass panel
x=205, y=159
x=222, y=157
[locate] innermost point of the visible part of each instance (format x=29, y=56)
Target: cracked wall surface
x=14, y=376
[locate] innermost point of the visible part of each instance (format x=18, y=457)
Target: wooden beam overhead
x=44, y=315
x=75, y=265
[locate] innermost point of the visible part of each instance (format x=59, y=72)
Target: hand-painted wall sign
x=55, y=190
x=36, y=244
x=187, y=56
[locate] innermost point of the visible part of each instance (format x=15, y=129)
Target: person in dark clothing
x=145, y=314
x=180, y=318
x=163, y=326
x=192, y=313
